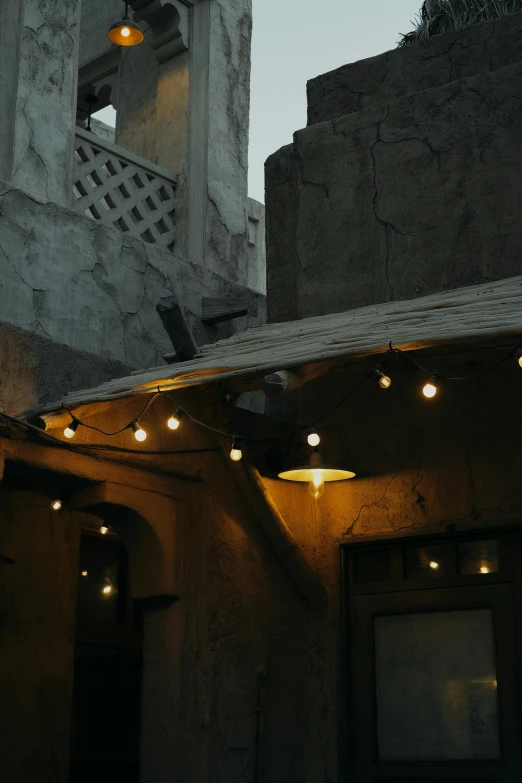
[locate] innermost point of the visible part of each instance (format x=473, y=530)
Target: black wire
x=118, y=432
x=470, y=377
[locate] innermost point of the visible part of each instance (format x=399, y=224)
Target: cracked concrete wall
x=411, y=69
x=402, y=199
x=38, y=62
x=93, y=289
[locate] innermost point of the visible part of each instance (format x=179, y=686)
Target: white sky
x=295, y=40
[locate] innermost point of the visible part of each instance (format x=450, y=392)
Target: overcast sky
x=295, y=40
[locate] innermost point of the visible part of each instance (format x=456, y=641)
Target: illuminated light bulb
x=84, y=573
x=316, y=484
x=107, y=590
x=125, y=32
x=139, y=433
x=70, y=430
x=431, y=389
x=56, y=505
x=313, y=437
x=383, y=380
x=175, y=420
x=434, y=565
x=104, y=529
x=236, y=454
x=518, y=356
x=484, y=570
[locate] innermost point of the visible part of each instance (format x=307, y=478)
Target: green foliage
x=440, y=16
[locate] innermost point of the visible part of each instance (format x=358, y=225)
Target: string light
x=518, y=356
x=313, y=437
x=104, y=529
x=434, y=565
x=84, y=573
x=431, y=388
x=175, y=420
x=56, y=505
x=235, y=453
x=107, y=589
x=383, y=380
x=139, y=432
x=70, y=430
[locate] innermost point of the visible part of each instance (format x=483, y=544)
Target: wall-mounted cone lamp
x=315, y=474
x=125, y=32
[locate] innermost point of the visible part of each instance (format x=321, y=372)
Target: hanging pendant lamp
x=316, y=474
x=125, y=32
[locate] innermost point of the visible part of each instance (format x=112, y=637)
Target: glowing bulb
x=84, y=573
x=175, y=420
x=104, y=530
x=107, y=590
x=56, y=505
x=434, y=565
x=430, y=389
x=70, y=430
x=139, y=433
x=383, y=380
x=125, y=32
x=316, y=485
x=236, y=454
x=484, y=570
x=313, y=438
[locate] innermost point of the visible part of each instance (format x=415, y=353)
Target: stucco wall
x=93, y=289
x=37, y=617
x=405, y=198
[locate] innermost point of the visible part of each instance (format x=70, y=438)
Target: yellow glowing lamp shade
x=125, y=32
x=315, y=474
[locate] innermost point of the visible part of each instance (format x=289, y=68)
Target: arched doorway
x=105, y=725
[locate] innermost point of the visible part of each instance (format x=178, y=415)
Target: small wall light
x=175, y=420
x=431, y=388
x=70, y=430
x=235, y=453
x=104, y=529
x=383, y=380
x=315, y=474
x=56, y=505
x=139, y=433
x=125, y=32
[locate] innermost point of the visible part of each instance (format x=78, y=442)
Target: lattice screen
x=122, y=190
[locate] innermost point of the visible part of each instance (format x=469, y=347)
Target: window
x=432, y=660
x=108, y=663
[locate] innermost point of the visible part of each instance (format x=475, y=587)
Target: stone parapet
x=408, y=70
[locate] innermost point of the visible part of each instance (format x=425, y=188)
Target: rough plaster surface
x=36, y=370
x=37, y=615
x=398, y=200
x=412, y=69
x=88, y=286
x=256, y=277
x=43, y=55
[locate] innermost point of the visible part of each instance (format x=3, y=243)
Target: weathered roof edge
x=490, y=310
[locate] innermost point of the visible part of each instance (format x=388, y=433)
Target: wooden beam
x=177, y=328
x=215, y=311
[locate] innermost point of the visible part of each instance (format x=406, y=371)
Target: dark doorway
x=432, y=654
x=108, y=664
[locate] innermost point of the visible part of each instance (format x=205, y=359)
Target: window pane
x=99, y=582
x=427, y=562
x=372, y=567
x=478, y=557
x=436, y=686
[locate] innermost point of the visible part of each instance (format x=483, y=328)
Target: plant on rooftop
x=441, y=16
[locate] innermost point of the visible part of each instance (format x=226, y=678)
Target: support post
x=39, y=43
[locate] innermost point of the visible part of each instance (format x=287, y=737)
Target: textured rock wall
x=39, y=56
x=93, y=289
x=412, y=69
x=399, y=200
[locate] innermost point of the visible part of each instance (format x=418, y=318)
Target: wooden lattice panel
x=122, y=190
